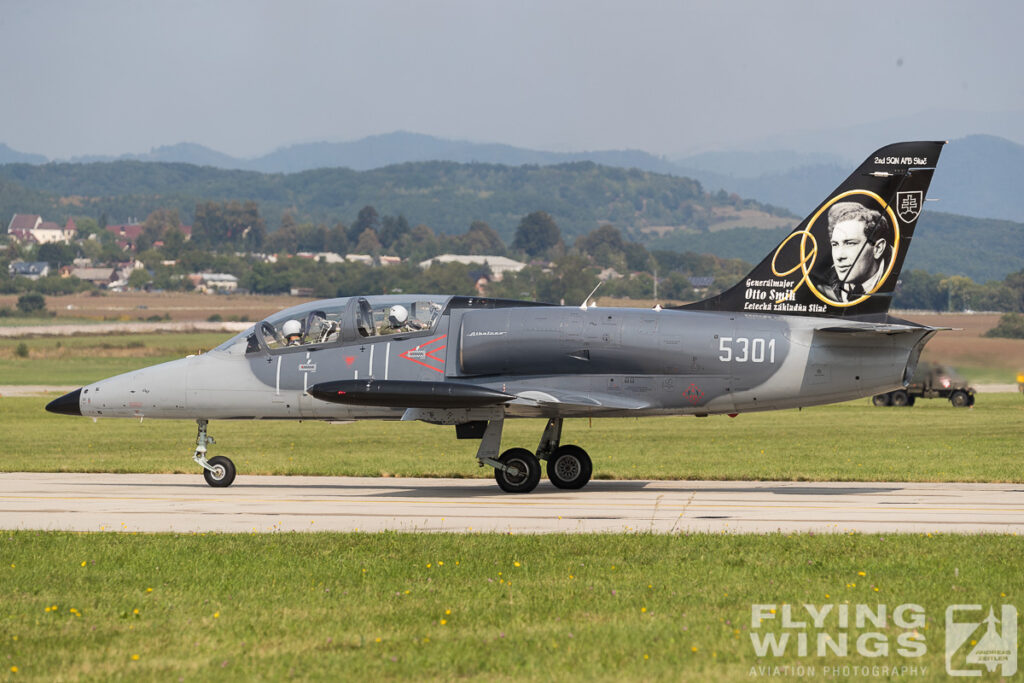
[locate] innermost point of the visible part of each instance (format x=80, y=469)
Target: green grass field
x=931, y=441
x=86, y=358
x=438, y=606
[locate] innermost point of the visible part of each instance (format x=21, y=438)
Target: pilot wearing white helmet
x=397, y=321
x=292, y=331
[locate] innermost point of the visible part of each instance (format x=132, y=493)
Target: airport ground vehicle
x=930, y=381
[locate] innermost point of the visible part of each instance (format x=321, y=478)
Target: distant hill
x=853, y=142
x=978, y=174
x=13, y=156
x=376, y=151
x=447, y=196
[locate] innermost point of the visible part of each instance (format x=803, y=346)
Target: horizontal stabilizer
x=407, y=394
x=593, y=401
x=877, y=328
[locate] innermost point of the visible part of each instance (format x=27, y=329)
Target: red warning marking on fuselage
x=693, y=394
x=424, y=352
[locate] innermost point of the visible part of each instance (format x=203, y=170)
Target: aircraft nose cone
x=67, y=404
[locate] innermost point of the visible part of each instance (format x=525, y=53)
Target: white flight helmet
x=291, y=328
x=397, y=316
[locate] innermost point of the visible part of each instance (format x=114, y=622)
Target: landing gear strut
x=218, y=471
x=569, y=467
x=518, y=470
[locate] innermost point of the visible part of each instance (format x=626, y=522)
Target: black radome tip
x=67, y=404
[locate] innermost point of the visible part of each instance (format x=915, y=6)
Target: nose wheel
x=217, y=471
x=221, y=472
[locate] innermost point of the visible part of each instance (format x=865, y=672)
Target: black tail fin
x=843, y=259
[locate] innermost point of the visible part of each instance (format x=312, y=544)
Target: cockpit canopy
x=333, y=321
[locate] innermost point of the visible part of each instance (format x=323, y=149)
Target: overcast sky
x=112, y=77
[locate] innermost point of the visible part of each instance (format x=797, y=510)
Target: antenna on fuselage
x=584, y=306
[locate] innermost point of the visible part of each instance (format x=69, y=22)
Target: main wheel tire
x=569, y=467
x=960, y=399
x=880, y=400
x=899, y=398
x=526, y=475
x=223, y=472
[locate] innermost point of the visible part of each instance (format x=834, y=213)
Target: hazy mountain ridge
x=447, y=196
x=978, y=176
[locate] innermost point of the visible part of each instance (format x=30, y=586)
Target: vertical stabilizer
x=844, y=259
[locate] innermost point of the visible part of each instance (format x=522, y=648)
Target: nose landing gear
x=218, y=471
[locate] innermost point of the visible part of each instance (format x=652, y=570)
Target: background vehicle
x=930, y=381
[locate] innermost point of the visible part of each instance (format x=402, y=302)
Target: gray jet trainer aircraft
x=807, y=326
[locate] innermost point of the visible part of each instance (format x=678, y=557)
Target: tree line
x=226, y=235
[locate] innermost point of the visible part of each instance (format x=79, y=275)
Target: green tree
x=139, y=279
x=958, y=292
x=57, y=254
x=392, y=230
x=536, y=234
x=482, y=239
x=32, y=303
x=86, y=226
x=228, y=225
x=368, y=219
x=919, y=289
x=368, y=243
x=1011, y=326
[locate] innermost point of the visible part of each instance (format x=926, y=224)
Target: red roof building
x=24, y=222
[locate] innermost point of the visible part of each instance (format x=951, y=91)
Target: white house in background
x=499, y=265
x=32, y=228
x=33, y=270
x=214, y=282
x=328, y=257
x=359, y=258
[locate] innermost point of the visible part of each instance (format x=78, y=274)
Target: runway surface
x=184, y=503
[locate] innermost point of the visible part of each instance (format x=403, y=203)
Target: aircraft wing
x=413, y=394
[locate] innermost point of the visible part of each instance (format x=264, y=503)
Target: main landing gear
x=218, y=471
x=518, y=470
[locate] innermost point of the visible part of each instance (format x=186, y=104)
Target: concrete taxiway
x=184, y=503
